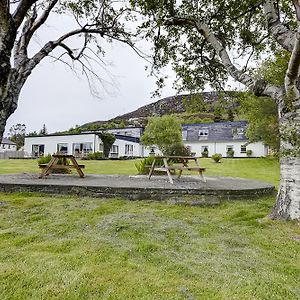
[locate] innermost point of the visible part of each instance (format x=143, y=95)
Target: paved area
x=135, y=187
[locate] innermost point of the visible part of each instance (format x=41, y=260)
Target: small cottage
x=7, y=145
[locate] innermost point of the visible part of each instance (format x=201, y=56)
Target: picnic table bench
x=53, y=165
x=181, y=163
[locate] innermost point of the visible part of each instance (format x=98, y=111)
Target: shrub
x=178, y=150
x=143, y=166
x=44, y=159
x=62, y=161
x=204, y=153
x=230, y=153
x=216, y=157
x=249, y=153
x=95, y=156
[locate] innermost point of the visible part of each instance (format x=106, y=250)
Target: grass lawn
x=256, y=168
x=84, y=248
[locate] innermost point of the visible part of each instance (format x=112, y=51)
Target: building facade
x=81, y=144
x=226, y=138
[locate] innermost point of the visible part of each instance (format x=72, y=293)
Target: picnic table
x=180, y=163
x=53, y=165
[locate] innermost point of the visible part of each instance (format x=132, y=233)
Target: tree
x=17, y=134
x=108, y=140
x=262, y=115
x=44, y=130
x=164, y=132
x=97, y=21
x=201, y=39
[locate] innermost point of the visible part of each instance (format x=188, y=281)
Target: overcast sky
x=55, y=96
x=60, y=99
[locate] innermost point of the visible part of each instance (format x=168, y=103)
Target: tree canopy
x=95, y=22
x=208, y=41
x=17, y=134
x=163, y=132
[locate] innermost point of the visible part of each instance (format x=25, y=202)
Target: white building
x=7, y=145
x=81, y=144
x=223, y=138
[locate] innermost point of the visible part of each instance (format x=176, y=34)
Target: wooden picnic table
x=181, y=163
x=53, y=165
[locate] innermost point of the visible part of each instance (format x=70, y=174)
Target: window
x=62, y=148
x=203, y=133
x=243, y=149
x=184, y=135
x=114, y=151
x=128, y=149
x=38, y=150
x=82, y=149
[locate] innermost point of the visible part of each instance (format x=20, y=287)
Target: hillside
x=169, y=105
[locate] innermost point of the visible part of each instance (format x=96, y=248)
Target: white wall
x=50, y=142
x=258, y=149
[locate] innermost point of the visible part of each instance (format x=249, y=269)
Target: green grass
x=256, y=168
x=72, y=248
x=84, y=248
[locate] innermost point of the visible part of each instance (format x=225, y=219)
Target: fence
x=11, y=154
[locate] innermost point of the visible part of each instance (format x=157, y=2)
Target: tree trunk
x=9, y=95
x=287, y=205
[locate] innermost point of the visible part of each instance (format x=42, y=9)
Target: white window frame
x=129, y=149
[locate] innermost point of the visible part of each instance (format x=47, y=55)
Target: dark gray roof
x=212, y=132
x=7, y=141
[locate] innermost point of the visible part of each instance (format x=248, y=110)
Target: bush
x=249, y=153
x=217, y=157
x=230, y=153
x=178, y=150
x=204, y=153
x=44, y=159
x=143, y=166
x=95, y=156
x=62, y=161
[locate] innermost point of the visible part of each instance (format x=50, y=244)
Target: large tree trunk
x=287, y=205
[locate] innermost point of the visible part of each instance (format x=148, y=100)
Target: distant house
x=7, y=145
x=79, y=145
x=226, y=138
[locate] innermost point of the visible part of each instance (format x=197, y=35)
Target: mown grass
x=265, y=169
x=84, y=248
x=72, y=248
